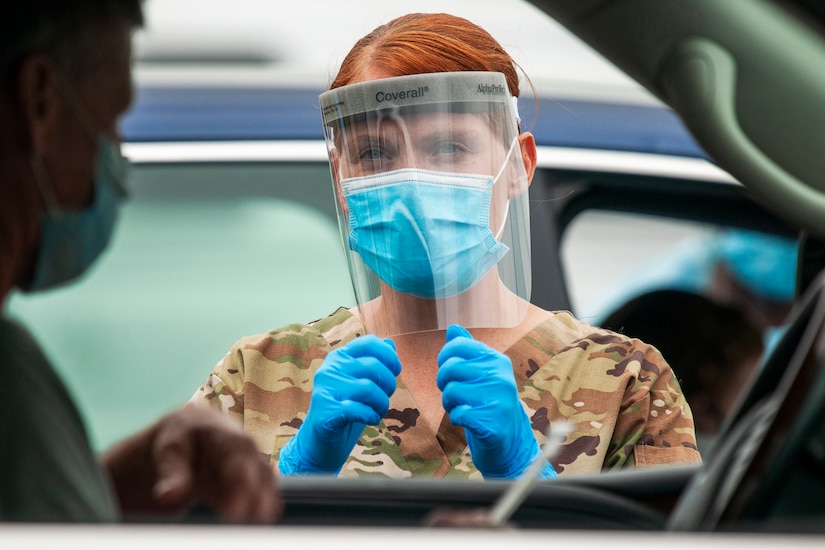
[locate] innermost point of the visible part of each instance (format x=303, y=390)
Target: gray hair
x=64, y=29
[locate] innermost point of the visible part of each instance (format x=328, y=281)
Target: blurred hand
x=479, y=393
x=194, y=456
x=351, y=389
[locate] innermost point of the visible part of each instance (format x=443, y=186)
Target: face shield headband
x=432, y=202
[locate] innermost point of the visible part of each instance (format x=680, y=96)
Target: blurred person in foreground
x=66, y=80
x=443, y=368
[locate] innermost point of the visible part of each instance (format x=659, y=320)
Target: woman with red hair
x=443, y=367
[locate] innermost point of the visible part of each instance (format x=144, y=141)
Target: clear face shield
x=432, y=200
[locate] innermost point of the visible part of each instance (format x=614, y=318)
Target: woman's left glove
x=479, y=393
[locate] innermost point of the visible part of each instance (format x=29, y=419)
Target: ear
x=528, y=154
x=522, y=176
x=38, y=98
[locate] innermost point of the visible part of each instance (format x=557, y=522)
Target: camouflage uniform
x=621, y=396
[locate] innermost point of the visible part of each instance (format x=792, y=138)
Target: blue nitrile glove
x=479, y=393
x=352, y=388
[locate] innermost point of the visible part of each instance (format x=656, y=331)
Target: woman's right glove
x=352, y=388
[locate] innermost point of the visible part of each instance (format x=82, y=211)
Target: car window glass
x=602, y=252
x=202, y=256
x=711, y=299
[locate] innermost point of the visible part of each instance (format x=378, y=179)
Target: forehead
x=420, y=124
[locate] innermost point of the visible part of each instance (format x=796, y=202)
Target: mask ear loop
x=495, y=181
x=45, y=190
x=503, y=221
x=106, y=146
x=78, y=110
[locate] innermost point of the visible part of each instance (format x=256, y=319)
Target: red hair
x=419, y=43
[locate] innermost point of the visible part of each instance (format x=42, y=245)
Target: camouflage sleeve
x=223, y=389
x=655, y=425
x=265, y=380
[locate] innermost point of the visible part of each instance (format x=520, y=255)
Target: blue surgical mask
x=71, y=240
x=422, y=232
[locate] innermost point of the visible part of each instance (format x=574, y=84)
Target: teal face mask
x=422, y=232
x=71, y=240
